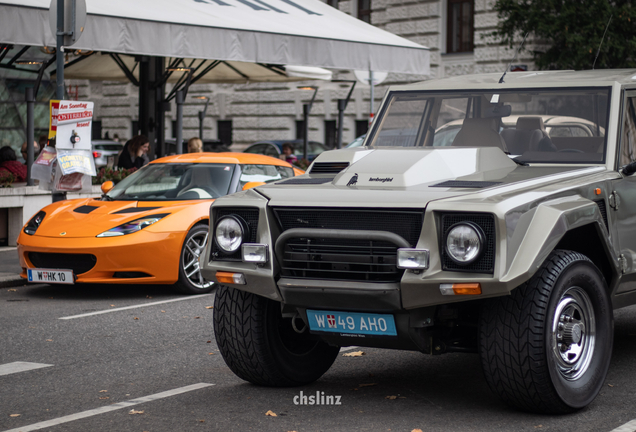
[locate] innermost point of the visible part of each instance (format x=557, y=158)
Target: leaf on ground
x=49, y=340
x=132, y=411
x=271, y=413
x=103, y=391
x=201, y=421
x=14, y=415
x=209, y=307
x=210, y=353
x=12, y=290
x=136, y=318
x=112, y=305
x=354, y=354
x=163, y=311
x=148, y=296
x=390, y=397
x=209, y=342
x=611, y=385
x=416, y=430
x=197, y=317
x=367, y=384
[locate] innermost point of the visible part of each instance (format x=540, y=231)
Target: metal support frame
x=342, y=106
x=30, y=101
x=202, y=115
x=306, y=111
x=179, y=139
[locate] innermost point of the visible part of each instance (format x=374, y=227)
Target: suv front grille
x=344, y=258
x=79, y=263
x=357, y=260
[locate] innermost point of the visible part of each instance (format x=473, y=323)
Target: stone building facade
x=454, y=30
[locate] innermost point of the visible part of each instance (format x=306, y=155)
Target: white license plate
x=352, y=323
x=51, y=276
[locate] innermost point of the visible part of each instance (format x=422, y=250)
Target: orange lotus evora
x=150, y=228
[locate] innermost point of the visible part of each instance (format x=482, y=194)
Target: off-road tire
x=517, y=335
x=193, y=246
x=261, y=347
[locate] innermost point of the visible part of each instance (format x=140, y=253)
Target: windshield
x=542, y=125
x=175, y=181
x=264, y=173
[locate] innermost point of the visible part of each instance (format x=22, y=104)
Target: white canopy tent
x=284, y=32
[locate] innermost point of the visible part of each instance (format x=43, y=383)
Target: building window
x=300, y=128
x=225, y=131
x=362, y=126
x=364, y=10
x=461, y=19
x=333, y=3
x=331, y=133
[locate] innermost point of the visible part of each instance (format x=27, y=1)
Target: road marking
x=15, y=367
x=133, y=307
x=108, y=408
x=627, y=427
x=349, y=348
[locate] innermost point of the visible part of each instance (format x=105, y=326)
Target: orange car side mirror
x=250, y=185
x=107, y=186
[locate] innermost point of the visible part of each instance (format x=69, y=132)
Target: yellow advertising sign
x=54, y=106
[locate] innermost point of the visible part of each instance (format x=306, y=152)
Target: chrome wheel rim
x=194, y=246
x=573, y=333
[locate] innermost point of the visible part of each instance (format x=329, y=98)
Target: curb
x=12, y=281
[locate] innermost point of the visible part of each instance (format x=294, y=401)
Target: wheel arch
x=571, y=223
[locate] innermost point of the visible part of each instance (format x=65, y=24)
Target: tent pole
x=30, y=101
x=179, y=137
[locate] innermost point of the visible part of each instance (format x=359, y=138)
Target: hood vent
x=466, y=184
x=328, y=167
x=85, y=209
x=306, y=180
x=135, y=210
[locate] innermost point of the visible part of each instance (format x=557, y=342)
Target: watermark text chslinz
x=318, y=399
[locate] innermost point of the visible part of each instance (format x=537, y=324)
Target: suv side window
x=628, y=137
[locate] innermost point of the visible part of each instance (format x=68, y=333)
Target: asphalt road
x=161, y=362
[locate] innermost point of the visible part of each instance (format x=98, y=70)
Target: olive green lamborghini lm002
x=478, y=216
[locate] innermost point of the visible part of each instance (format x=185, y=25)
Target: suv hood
x=373, y=177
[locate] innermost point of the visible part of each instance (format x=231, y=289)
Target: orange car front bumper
x=152, y=258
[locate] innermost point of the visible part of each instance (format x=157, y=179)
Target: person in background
x=134, y=153
x=288, y=154
x=195, y=145
x=36, y=151
x=9, y=163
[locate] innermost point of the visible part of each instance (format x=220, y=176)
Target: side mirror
x=250, y=185
x=107, y=186
x=629, y=169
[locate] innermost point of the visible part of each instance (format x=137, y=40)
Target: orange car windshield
x=175, y=181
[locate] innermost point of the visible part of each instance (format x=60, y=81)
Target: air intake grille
x=85, y=209
x=79, y=263
x=328, y=167
x=345, y=258
x=486, y=263
x=249, y=215
x=603, y=209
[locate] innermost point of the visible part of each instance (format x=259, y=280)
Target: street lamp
x=306, y=110
x=342, y=106
x=202, y=114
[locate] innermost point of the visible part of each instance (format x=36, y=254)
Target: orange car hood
x=90, y=217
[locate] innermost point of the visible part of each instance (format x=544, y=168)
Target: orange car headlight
x=133, y=226
x=32, y=226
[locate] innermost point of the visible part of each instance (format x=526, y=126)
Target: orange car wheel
x=190, y=279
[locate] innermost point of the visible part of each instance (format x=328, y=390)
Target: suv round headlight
x=464, y=242
x=230, y=232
